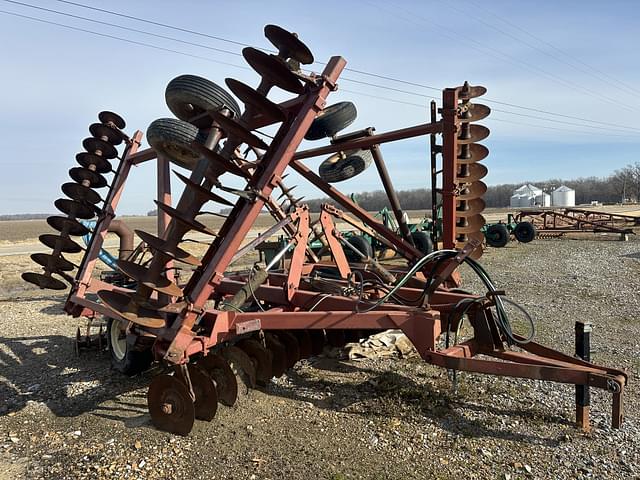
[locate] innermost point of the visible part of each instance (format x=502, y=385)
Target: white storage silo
x=543, y=200
x=514, y=201
x=563, y=196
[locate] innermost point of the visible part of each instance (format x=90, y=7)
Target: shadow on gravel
x=389, y=394
x=45, y=369
x=631, y=255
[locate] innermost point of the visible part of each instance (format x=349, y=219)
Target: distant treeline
x=24, y=216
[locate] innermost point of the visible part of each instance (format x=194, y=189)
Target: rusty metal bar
x=394, y=201
x=433, y=153
x=368, y=142
x=449, y=166
x=583, y=350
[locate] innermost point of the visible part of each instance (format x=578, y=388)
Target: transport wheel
x=124, y=358
x=345, y=165
x=331, y=120
x=173, y=138
x=360, y=243
x=170, y=405
x=497, y=235
x=188, y=96
x=204, y=388
x=422, y=241
x=525, y=232
x=261, y=358
x=223, y=376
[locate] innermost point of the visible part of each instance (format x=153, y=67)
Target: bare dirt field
x=63, y=416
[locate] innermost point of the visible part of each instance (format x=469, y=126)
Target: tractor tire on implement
x=361, y=244
x=422, y=242
x=331, y=120
x=497, y=235
x=188, y=96
x=173, y=138
x=337, y=169
x=124, y=358
x=525, y=232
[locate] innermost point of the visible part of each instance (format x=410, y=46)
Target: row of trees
x=621, y=186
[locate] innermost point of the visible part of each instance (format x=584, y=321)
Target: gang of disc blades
x=64, y=244
x=470, y=208
x=475, y=172
x=467, y=92
x=475, y=112
x=141, y=274
x=477, y=133
x=53, y=263
x=204, y=388
x=470, y=224
x=224, y=378
x=203, y=192
x=471, y=153
x=261, y=357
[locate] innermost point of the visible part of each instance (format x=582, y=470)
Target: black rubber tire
x=331, y=120
x=189, y=95
x=422, y=241
x=172, y=138
x=525, y=232
x=497, y=235
x=361, y=244
x=354, y=163
x=133, y=362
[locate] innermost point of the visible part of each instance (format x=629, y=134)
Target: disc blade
x=467, y=91
x=272, y=70
x=477, y=133
x=163, y=246
x=224, y=378
x=259, y=102
x=80, y=193
x=191, y=223
x=238, y=131
x=471, y=153
x=291, y=346
x=473, y=173
x=170, y=405
x=206, y=402
x=44, y=281
x=288, y=44
x=475, y=190
x=105, y=133
x=203, y=192
x=219, y=164
x=241, y=365
x=53, y=263
x=474, y=113
x=81, y=175
x=141, y=275
x=75, y=209
x=89, y=160
x=99, y=147
x=470, y=208
x=110, y=117
x=278, y=354
x=470, y=224
x=64, y=244
x=261, y=358
x=122, y=305
x=68, y=225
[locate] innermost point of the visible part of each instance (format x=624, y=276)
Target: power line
x=247, y=68
x=532, y=46
x=374, y=75
x=476, y=45
x=628, y=87
x=143, y=44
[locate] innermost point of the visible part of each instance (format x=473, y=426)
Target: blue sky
x=575, y=58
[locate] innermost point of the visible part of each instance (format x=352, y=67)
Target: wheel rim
x=118, y=338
